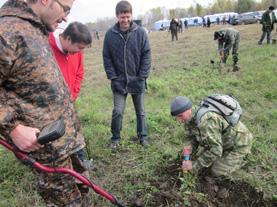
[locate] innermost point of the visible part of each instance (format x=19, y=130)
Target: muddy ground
x=220, y=192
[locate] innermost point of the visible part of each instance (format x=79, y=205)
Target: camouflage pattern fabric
x=231, y=38
x=64, y=190
x=268, y=24
x=33, y=91
x=225, y=153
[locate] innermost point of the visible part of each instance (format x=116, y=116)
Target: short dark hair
x=123, y=7
x=271, y=8
x=78, y=32
x=217, y=34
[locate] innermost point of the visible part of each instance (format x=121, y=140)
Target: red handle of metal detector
x=41, y=167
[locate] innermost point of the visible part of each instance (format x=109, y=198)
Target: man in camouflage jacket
x=224, y=152
x=230, y=38
x=35, y=94
x=268, y=20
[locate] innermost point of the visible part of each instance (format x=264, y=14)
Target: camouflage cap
x=180, y=105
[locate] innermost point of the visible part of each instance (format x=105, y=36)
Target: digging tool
x=186, y=159
x=274, y=40
x=212, y=61
x=167, y=36
x=57, y=129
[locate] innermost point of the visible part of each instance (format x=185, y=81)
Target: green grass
x=135, y=170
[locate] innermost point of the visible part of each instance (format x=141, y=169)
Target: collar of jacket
x=194, y=111
x=133, y=27
x=20, y=9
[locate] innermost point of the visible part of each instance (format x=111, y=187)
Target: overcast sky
x=89, y=10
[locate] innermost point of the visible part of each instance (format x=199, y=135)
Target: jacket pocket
x=118, y=84
x=135, y=85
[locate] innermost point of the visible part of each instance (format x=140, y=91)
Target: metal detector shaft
x=41, y=167
x=167, y=36
x=212, y=61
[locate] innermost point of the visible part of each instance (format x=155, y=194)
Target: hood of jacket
x=20, y=9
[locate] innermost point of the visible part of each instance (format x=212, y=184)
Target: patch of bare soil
x=219, y=192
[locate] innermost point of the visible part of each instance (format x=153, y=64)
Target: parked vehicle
x=245, y=18
x=259, y=14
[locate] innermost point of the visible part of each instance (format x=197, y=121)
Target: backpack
x=224, y=105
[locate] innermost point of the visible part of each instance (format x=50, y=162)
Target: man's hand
x=187, y=165
x=25, y=138
x=187, y=150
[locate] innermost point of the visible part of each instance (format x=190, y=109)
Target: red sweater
x=71, y=65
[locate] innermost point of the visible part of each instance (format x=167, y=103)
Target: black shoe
x=89, y=165
x=114, y=145
x=144, y=143
x=259, y=43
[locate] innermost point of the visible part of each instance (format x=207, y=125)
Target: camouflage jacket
x=33, y=91
x=268, y=23
x=230, y=36
x=208, y=134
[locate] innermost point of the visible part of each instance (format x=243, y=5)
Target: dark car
x=246, y=18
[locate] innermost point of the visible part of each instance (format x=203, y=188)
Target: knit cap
x=180, y=105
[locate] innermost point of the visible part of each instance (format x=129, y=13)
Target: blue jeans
x=263, y=36
x=118, y=111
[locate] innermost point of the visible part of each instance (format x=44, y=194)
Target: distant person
x=224, y=20
x=268, y=20
x=97, y=34
x=223, y=151
x=162, y=27
x=173, y=28
x=228, y=38
x=127, y=62
x=180, y=26
x=34, y=94
x=68, y=46
x=204, y=22
x=217, y=20
x=208, y=22
x=186, y=24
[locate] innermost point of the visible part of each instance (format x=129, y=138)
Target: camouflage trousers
x=64, y=190
x=235, y=53
x=231, y=161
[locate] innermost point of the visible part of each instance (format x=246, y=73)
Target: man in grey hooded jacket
x=127, y=62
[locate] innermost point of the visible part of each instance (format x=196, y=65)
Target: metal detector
x=212, y=61
x=274, y=40
x=56, y=129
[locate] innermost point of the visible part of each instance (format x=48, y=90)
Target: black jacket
x=127, y=62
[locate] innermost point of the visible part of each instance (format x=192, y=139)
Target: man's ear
x=45, y=2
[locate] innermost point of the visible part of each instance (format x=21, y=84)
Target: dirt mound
x=216, y=192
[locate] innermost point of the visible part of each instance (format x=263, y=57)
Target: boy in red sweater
x=68, y=46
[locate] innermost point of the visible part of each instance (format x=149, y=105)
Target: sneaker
x=89, y=165
x=114, y=145
x=144, y=143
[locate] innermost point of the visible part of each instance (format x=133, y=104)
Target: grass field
x=153, y=176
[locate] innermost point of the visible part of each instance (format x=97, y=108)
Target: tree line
x=159, y=13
